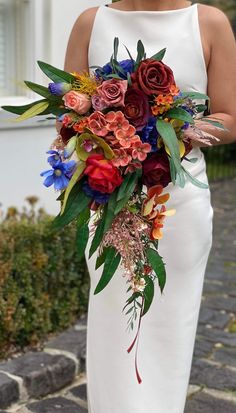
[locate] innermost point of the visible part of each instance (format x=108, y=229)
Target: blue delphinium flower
x=97, y=196
x=59, y=175
x=149, y=134
x=127, y=66
x=59, y=89
x=54, y=157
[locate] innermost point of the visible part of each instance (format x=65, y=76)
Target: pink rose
x=112, y=92
x=79, y=102
x=98, y=103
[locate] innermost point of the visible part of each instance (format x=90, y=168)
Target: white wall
x=22, y=154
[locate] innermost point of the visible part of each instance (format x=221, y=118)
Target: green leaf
x=97, y=238
x=201, y=108
x=55, y=74
x=157, y=264
x=75, y=177
x=195, y=181
x=180, y=114
x=148, y=295
x=82, y=236
x=140, y=52
x=214, y=123
x=172, y=170
x=110, y=211
x=41, y=90
x=195, y=95
x=101, y=258
x=129, y=191
x=18, y=110
x=83, y=217
x=170, y=139
x=130, y=56
x=116, y=46
x=76, y=203
x=124, y=186
x=35, y=110
x=159, y=56
x=110, y=266
x=114, y=76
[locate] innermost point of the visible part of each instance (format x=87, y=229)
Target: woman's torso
x=177, y=30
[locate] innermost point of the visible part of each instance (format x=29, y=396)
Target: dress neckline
x=150, y=11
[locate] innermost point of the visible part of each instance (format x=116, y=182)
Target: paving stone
x=55, y=405
x=9, y=391
x=42, y=373
x=72, y=340
x=80, y=391
x=216, y=335
x=204, y=403
x=212, y=376
x=213, y=317
x=202, y=348
x=225, y=356
x=221, y=303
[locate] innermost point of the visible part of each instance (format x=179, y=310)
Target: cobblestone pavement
x=213, y=377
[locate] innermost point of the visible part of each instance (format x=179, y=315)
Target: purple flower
x=54, y=158
x=149, y=134
x=127, y=66
x=59, y=89
x=59, y=175
x=98, y=197
x=98, y=103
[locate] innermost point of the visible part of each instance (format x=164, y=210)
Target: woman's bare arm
x=221, y=73
x=76, y=59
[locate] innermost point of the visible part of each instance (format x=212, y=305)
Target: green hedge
x=43, y=286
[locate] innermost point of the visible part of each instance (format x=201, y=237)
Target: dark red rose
x=103, y=176
x=153, y=77
x=66, y=134
x=156, y=170
x=136, y=108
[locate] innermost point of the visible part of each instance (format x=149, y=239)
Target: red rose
x=153, y=77
x=136, y=108
x=156, y=170
x=66, y=134
x=103, y=176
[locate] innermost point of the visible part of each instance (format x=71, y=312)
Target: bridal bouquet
x=125, y=130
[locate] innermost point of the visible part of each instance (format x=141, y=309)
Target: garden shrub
x=43, y=286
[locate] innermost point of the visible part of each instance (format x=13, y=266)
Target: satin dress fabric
x=168, y=330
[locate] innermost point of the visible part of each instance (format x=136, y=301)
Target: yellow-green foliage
x=43, y=287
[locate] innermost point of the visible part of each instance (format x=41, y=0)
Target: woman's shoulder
x=86, y=18
x=212, y=15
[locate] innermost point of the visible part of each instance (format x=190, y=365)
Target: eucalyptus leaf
x=195, y=95
x=170, y=139
x=195, y=181
x=180, y=114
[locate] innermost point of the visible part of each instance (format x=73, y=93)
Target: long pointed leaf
x=55, y=74
x=170, y=139
x=159, y=56
x=180, y=114
x=148, y=295
x=75, y=178
x=41, y=90
x=18, y=110
x=156, y=262
x=77, y=202
x=35, y=110
x=82, y=236
x=110, y=266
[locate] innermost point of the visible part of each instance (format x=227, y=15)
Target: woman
x=204, y=62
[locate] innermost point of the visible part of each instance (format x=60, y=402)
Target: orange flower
x=127, y=137
x=174, y=90
x=149, y=210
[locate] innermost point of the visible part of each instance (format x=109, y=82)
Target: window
x=17, y=45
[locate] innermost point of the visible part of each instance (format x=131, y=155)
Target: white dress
x=168, y=331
